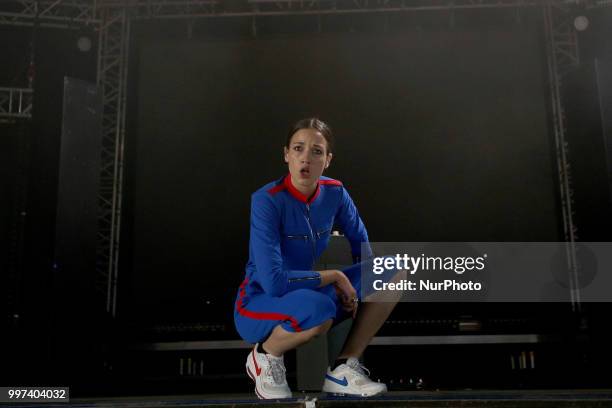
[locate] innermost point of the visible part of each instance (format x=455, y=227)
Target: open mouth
x=305, y=172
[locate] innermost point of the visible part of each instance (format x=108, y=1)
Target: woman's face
x=307, y=157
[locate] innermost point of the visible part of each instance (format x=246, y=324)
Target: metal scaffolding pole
x=15, y=103
x=49, y=13
x=563, y=56
x=148, y=9
x=599, y=3
x=114, y=37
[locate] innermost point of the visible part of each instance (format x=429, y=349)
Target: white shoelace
x=277, y=369
x=359, y=368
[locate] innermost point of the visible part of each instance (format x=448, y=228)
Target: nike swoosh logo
x=257, y=368
x=343, y=382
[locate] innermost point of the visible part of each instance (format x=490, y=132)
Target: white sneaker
x=351, y=379
x=268, y=372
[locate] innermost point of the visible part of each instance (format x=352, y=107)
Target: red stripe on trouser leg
x=263, y=315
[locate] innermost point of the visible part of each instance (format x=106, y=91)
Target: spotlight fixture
x=84, y=43
x=581, y=23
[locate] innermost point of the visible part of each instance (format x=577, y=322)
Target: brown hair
x=316, y=124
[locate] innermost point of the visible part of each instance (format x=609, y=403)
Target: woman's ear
x=285, y=153
x=328, y=161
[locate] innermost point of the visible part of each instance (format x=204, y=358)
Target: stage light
x=84, y=43
x=581, y=23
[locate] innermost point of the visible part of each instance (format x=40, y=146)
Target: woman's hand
x=346, y=293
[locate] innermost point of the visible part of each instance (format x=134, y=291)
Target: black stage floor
x=412, y=399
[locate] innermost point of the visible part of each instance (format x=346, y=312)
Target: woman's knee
x=317, y=303
x=280, y=333
x=321, y=329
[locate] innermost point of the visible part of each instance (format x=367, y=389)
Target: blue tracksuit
x=289, y=231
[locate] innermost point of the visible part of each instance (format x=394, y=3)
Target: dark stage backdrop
x=30, y=163
x=441, y=136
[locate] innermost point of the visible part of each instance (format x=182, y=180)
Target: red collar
x=297, y=194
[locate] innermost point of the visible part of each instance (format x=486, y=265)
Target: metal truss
x=562, y=37
x=113, y=51
x=563, y=56
x=48, y=13
x=15, y=103
x=284, y=7
x=599, y=3
x=144, y=9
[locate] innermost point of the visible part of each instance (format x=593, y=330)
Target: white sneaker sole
x=340, y=394
x=331, y=390
x=344, y=394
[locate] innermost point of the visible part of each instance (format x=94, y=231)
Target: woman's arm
x=339, y=280
x=329, y=276
x=350, y=222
